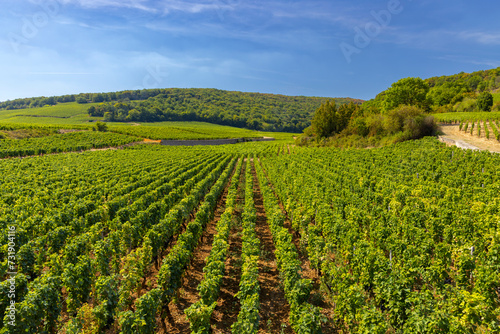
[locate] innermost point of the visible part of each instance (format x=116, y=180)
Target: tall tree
x=485, y=101
x=408, y=91
x=324, y=119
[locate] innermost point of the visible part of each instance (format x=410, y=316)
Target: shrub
x=485, y=101
x=101, y=127
x=467, y=105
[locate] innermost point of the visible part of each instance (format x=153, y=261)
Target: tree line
x=401, y=112
x=254, y=111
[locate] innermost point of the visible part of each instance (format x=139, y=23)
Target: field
x=251, y=238
x=63, y=113
x=192, y=130
x=68, y=142
x=74, y=116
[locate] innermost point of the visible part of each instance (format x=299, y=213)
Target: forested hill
x=462, y=92
x=257, y=111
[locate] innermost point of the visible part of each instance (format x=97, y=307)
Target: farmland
x=74, y=116
x=152, y=239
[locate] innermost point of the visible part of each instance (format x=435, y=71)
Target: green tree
x=324, y=119
x=485, y=101
x=408, y=91
x=81, y=100
x=447, y=93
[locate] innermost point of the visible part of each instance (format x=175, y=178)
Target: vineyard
x=489, y=129
x=402, y=239
x=68, y=142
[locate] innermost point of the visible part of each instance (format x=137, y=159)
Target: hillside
x=256, y=111
x=407, y=110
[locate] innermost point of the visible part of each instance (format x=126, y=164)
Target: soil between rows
x=274, y=308
x=187, y=294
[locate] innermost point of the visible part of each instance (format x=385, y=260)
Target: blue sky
x=303, y=47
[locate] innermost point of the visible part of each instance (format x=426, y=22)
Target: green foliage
x=255, y=111
x=107, y=295
x=329, y=120
x=411, y=122
x=409, y=91
x=199, y=315
x=248, y=295
x=101, y=127
x=143, y=320
x=324, y=119
x=67, y=142
x=367, y=129
x=191, y=130
x=448, y=93
x=304, y=318
x=77, y=280
x=83, y=322
x=400, y=246
x=485, y=101
x=200, y=312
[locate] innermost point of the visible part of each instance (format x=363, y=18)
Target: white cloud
x=159, y=7
x=468, y=60
x=481, y=37
x=134, y=4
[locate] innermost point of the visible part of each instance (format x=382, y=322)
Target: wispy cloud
x=468, y=60
x=61, y=73
x=159, y=7
x=133, y=4
x=485, y=38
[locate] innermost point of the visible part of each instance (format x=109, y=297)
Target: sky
x=328, y=48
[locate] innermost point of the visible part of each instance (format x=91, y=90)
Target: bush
x=358, y=126
x=420, y=127
x=411, y=122
x=485, y=101
x=467, y=105
x=101, y=127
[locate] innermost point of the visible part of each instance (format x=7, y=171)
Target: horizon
x=299, y=48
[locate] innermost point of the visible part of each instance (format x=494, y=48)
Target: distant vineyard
x=75, y=141
x=457, y=117
x=187, y=130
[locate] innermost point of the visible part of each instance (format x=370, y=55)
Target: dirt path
x=453, y=136
x=274, y=309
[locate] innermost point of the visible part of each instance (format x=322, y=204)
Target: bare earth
x=452, y=132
